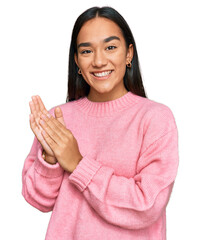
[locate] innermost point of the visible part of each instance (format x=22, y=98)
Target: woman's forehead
x=98, y=29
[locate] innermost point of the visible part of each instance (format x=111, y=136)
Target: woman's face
x=102, y=57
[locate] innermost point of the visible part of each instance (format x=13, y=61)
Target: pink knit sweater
x=121, y=187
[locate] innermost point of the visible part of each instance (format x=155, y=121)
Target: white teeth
x=102, y=74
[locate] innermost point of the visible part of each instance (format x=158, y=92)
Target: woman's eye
x=111, y=47
x=85, y=51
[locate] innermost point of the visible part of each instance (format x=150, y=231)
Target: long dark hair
x=77, y=86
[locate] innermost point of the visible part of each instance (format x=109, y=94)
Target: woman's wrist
x=48, y=158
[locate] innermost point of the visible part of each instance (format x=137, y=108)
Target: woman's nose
x=99, y=59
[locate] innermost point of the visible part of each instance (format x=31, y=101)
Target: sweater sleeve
x=137, y=202
x=41, y=181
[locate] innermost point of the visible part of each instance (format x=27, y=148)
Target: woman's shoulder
x=155, y=116
x=153, y=108
x=67, y=108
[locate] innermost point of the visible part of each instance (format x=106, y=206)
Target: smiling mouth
x=102, y=74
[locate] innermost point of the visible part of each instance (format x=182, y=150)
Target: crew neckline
x=106, y=108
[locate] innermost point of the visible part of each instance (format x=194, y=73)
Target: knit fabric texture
x=121, y=187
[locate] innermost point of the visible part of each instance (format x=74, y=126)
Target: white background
x=34, y=42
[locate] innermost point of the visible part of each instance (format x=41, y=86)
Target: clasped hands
x=57, y=141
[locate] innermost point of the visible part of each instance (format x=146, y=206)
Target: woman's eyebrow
x=111, y=38
x=85, y=44
x=88, y=44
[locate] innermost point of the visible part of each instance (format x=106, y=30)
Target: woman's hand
x=37, y=109
x=60, y=140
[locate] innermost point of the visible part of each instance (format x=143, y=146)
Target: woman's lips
x=102, y=75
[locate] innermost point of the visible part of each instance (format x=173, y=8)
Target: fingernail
x=41, y=122
x=43, y=116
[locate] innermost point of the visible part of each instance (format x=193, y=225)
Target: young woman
x=105, y=161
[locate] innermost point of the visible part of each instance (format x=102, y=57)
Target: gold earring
x=129, y=65
x=79, y=71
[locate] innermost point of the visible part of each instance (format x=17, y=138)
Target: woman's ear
x=130, y=53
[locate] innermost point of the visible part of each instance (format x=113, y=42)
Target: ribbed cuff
x=84, y=173
x=45, y=169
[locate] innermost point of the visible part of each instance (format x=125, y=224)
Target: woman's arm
x=137, y=202
x=40, y=180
